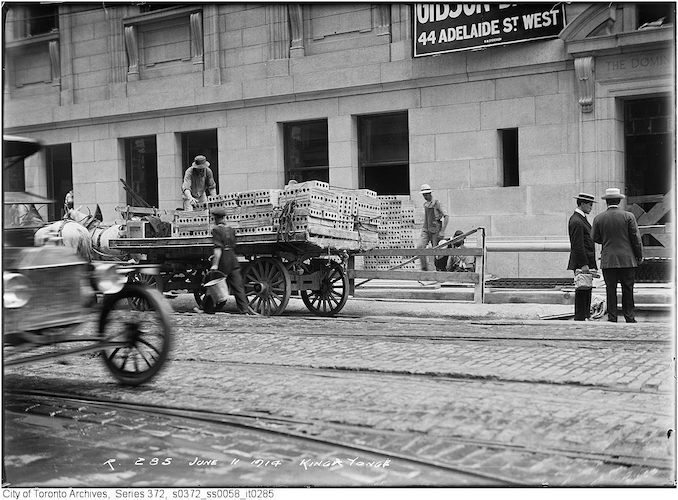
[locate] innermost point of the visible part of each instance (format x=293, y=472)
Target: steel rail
x=258, y=422
x=254, y=422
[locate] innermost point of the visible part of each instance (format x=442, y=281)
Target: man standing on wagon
x=198, y=183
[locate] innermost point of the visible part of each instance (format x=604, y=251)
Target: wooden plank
x=407, y=252
x=658, y=211
x=414, y=275
x=637, y=211
x=658, y=229
x=649, y=198
x=658, y=252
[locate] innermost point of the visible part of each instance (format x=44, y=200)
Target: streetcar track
x=394, y=336
x=253, y=422
x=261, y=421
x=432, y=376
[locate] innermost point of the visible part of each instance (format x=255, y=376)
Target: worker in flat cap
x=225, y=260
x=617, y=231
x=435, y=223
x=582, y=253
x=198, y=183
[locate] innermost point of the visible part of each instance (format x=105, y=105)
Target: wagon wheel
x=143, y=337
x=333, y=293
x=148, y=280
x=267, y=285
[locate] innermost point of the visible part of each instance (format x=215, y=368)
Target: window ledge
x=162, y=15
x=33, y=40
x=620, y=42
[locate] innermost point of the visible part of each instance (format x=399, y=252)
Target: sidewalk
x=654, y=302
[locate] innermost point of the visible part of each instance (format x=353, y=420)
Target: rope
x=286, y=225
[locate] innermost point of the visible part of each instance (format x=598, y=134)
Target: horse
x=99, y=234
x=69, y=233
x=24, y=215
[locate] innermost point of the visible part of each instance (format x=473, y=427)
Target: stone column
x=65, y=49
x=279, y=31
x=211, y=59
x=116, y=52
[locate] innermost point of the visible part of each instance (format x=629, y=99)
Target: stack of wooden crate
x=395, y=230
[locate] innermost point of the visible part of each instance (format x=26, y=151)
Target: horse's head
x=86, y=220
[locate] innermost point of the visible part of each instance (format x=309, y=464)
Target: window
x=384, y=152
x=203, y=143
x=13, y=178
x=649, y=145
x=508, y=140
x=59, y=177
x=653, y=15
x=141, y=169
x=306, y=152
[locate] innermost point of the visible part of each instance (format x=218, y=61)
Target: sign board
x=440, y=28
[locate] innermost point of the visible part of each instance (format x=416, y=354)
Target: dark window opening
x=41, y=19
x=203, y=142
x=306, y=151
x=141, y=169
x=14, y=178
x=384, y=153
x=652, y=15
x=509, y=156
x=59, y=178
x=649, y=146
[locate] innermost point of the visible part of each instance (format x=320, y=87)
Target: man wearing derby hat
x=582, y=252
x=435, y=222
x=617, y=230
x=198, y=183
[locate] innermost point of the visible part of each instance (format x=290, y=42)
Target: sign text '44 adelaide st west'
x=442, y=28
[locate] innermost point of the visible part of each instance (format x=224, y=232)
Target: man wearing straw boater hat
x=582, y=253
x=198, y=183
x=617, y=231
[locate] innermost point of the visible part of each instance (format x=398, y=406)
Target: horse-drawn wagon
x=295, y=240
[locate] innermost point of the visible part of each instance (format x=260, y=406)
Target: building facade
x=506, y=136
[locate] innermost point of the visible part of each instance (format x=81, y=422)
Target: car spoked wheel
x=138, y=340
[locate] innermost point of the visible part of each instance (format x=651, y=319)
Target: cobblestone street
x=535, y=403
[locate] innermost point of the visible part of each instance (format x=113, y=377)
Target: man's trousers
x=626, y=277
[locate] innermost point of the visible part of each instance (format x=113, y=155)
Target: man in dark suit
x=582, y=252
x=617, y=230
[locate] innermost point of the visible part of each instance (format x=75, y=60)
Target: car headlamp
x=107, y=279
x=16, y=290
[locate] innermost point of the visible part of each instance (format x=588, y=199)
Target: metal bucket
x=217, y=289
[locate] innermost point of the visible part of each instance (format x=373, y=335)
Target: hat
x=425, y=188
x=458, y=232
x=613, y=193
x=200, y=161
x=586, y=197
x=219, y=212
